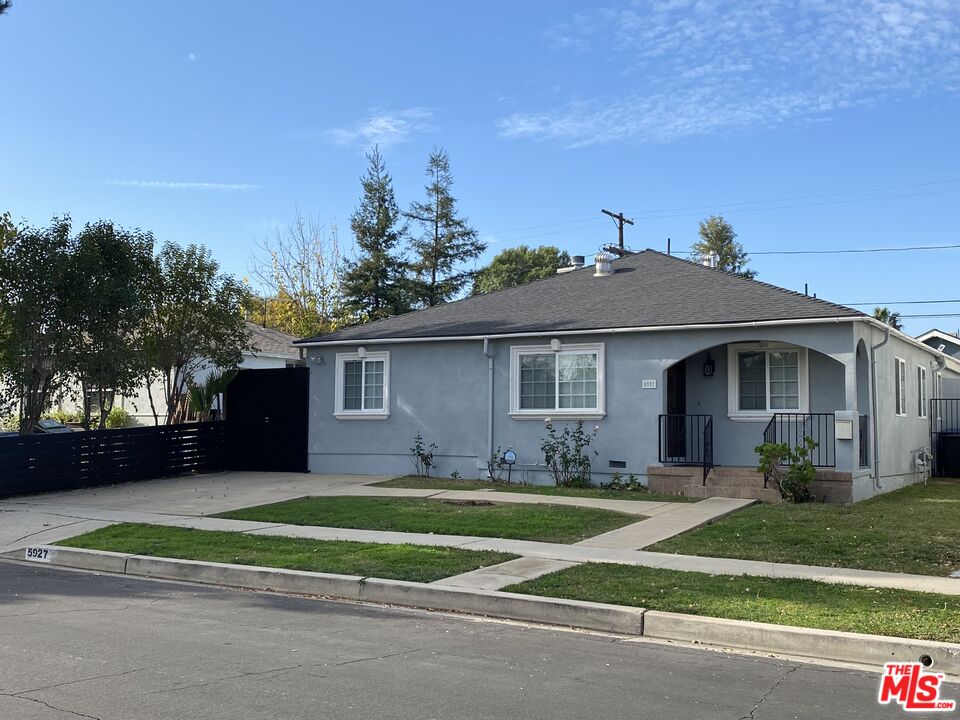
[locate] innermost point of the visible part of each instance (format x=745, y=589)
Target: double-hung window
x=921, y=391
x=363, y=385
x=900, y=368
x=766, y=378
x=568, y=381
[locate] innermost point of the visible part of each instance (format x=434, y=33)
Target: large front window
x=767, y=379
x=564, y=381
x=362, y=385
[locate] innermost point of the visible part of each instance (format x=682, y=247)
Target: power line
x=909, y=248
x=903, y=302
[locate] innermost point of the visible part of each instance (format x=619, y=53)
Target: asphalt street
x=81, y=645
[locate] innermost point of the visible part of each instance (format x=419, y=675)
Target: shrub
x=422, y=456
x=631, y=484
x=566, y=454
x=66, y=416
x=117, y=418
x=790, y=468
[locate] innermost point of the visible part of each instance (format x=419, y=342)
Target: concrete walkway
x=186, y=502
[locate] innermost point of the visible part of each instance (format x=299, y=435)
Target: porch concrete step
x=768, y=495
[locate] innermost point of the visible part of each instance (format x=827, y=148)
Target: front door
x=676, y=409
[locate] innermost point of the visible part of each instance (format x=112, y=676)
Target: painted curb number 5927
x=37, y=554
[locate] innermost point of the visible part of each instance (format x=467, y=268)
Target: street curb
x=806, y=642
x=706, y=631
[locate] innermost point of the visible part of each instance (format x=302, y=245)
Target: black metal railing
x=793, y=428
x=686, y=440
x=945, y=436
x=864, y=440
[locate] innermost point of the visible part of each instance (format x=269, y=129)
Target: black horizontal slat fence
x=68, y=461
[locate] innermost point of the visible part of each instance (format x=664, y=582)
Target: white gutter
x=489, y=355
x=594, y=331
x=873, y=385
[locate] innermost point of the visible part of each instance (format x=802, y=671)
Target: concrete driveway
x=55, y=516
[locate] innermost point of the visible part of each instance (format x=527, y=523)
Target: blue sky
x=810, y=125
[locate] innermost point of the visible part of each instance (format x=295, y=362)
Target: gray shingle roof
x=265, y=341
x=648, y=289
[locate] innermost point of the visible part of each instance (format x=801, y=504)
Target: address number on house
x=38, y=554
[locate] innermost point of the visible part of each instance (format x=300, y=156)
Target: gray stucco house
x=683, y=368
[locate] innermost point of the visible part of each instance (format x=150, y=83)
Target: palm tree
x=884, y=315
x=204, y=397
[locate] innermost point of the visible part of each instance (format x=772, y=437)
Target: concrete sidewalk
x=187, y=502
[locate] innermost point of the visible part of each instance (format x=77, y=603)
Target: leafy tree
x=7, y=229
x=301, y=271
x=5, y=5
x=884, y=315
x=373, y=285
x=717, y=236
x=446, y=241
x=33, y=331
x=519, y=265
x=105, y=306
x=195, y=320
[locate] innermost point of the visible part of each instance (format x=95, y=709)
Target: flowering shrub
x=566, y=454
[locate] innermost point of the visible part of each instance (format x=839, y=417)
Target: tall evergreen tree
x=446, y=241
x=717, y=236
x=373, y=285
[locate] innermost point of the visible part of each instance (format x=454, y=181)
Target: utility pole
x=619, y=219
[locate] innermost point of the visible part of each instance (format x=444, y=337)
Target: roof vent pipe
x=603, y=264
x=711, y=260
x=577, y=261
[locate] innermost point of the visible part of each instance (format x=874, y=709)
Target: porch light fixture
x=709, y=366
x=555, y=344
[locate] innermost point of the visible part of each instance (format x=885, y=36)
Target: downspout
x=489, y=355
x=873, y=383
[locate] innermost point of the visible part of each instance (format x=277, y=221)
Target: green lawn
x=548, y=523
x=913, y=530
x=411, y=481
x=396, y=562
x=802, y=603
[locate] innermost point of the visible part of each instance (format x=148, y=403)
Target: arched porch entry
x=721, y=402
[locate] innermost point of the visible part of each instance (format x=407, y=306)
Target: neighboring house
x=944, y=342
x=268, y=349
x=674, y=362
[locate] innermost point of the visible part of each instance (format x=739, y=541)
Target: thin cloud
x=715, y=65
x=169, y=185
x=383, y=128
x=193, y=57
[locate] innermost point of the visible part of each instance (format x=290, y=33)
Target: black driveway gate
x=945, y=437
x=266, y=416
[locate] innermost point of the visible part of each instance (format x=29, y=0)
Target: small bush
x=790, y=468
x=422, y=456
x=117, y=418
x=631, y=484
x=567, y=456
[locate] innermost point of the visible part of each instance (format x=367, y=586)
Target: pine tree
x=717, y=236
x=373, y=285
x=445, y=242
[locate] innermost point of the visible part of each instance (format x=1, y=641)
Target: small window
x=900, y=368
x=362, y=385
x=564, y=382
x=921, y=391
x=766, y=379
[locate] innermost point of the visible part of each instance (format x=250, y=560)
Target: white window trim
x=922, y=395
x=377, y=414
x=517, y=351
x=733, y=381
x=900, y=374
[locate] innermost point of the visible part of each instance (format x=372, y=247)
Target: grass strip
x=396, y=562
x=411, y=481
x=546, y=523
x=802, y=603
x=912, y=530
